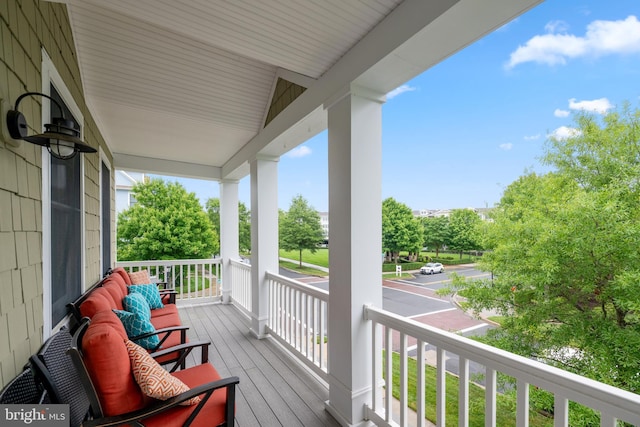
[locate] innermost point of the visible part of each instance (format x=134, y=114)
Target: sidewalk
x=306, y=264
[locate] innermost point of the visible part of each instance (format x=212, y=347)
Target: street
x=416, y=298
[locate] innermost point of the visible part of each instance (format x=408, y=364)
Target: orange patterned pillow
x=153, y=380
x=140, y=277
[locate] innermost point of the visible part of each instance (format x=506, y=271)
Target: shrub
x=389, y=268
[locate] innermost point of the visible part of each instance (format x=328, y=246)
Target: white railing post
x=355, y=184
x=229, y=240
x=264, y=238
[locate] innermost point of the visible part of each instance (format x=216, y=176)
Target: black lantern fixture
x=61, y=137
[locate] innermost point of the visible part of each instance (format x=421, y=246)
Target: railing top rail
x=168, y=262
x=320, y=294
x=240, y=264
x=611, y=400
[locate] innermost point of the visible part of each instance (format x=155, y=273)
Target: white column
x=229, y=239
x=264, y=237
x=355, y=247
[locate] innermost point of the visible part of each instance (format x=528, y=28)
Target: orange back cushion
x=122, y=273
x=107, y=360
x=115, y=290
x=108, y=317
x=99, y=300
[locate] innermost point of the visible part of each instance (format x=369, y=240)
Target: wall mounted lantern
x=61, y=137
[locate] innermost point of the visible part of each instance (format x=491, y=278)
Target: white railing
x=298, y=320
x=194, y=280
x=392, y=333
x=241, y=286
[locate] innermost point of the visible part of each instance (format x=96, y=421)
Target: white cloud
x=561, y=113
x=601, y=38
x=600, y=106
x=399, y=90
x=506, y=147
x=556, y=27
x=300, y=151
x=564, y=132
x=532, y=137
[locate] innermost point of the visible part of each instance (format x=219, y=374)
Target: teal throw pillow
x=136, y=325
x=150, y=292
x=136, y=303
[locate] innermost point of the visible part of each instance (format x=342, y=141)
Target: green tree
x=165, y=223
x=300, y=227
x=464, y=231
x=565, y=255
x=244, y=228
x=436, y=232
x=212, y=207
x=401, y=231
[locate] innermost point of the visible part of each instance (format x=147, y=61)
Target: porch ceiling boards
x=273, y=389
x=183, y=87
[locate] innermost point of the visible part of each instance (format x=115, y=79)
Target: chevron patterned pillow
x=153, y=380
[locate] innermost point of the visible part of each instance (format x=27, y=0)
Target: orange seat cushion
x=173, y=339
x=212, y=414
x=167, y=310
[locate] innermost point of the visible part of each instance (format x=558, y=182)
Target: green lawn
x=505, y=412
x=320, y=257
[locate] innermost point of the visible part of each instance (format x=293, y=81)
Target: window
x=105, y=215
x=66, y=223
x=63, y=238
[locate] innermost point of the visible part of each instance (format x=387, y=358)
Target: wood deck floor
x=274, y=390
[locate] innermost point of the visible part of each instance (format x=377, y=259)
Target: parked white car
x=432, y=268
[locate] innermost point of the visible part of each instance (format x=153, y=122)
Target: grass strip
x=506, y=409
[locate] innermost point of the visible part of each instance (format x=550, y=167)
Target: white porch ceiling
x=183, y=86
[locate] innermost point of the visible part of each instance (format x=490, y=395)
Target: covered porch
x=220, y=90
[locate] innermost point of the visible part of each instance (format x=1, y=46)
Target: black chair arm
x=157, y=408
x=168, y=331
x=171, y=293
x=184, y=349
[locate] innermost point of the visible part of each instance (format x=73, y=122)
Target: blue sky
x=459, y=133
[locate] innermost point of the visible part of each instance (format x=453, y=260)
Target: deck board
x=274, y=390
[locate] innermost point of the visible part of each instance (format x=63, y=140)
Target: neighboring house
x=124, y=184
x=324, y=223
x=483, y=213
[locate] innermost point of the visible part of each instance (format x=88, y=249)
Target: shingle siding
x=27, y=26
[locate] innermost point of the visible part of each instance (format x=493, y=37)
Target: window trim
x=51, y=76
x=104, y=160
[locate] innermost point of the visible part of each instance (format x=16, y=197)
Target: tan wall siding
x=26, y=26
